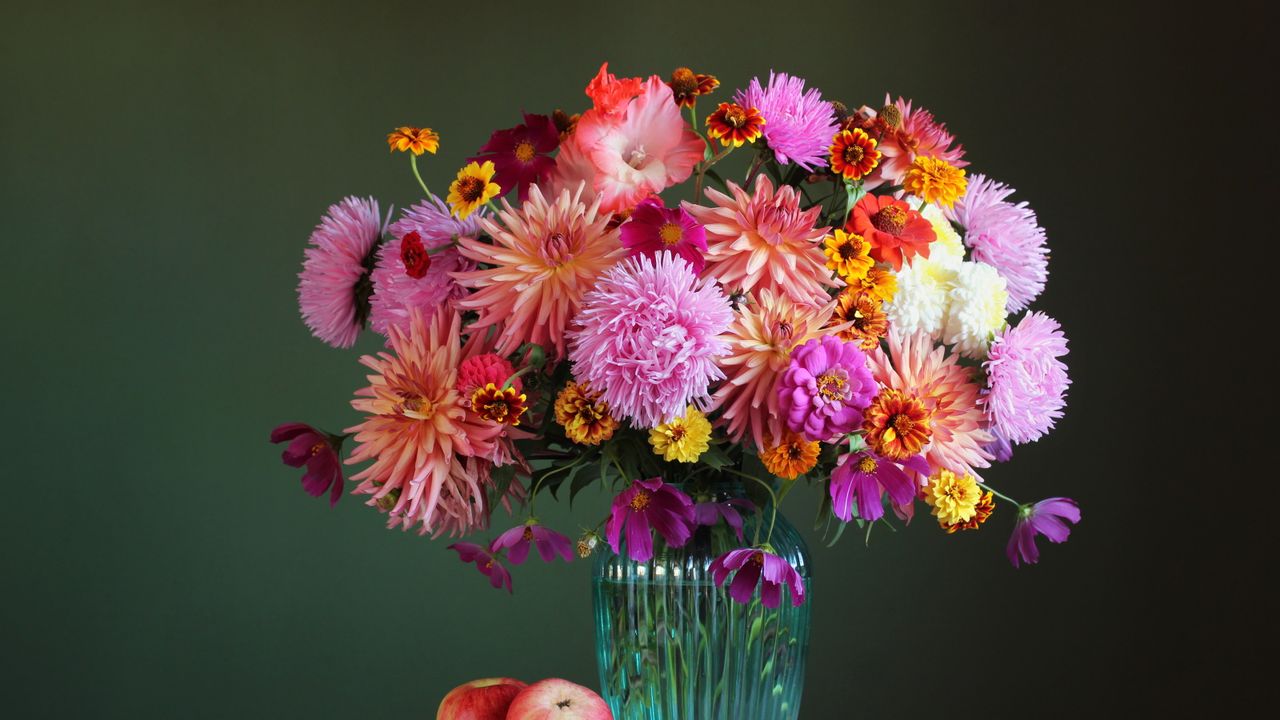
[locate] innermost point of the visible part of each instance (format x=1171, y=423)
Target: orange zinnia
x=792, y=457
x=854, y=154
x=735, y=125
x=896, y=425
x=415, y=140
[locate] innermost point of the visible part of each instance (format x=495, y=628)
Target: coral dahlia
x=912, y=133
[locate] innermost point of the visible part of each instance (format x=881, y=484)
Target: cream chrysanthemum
x=924, y=287
x=947, y=245
x=975, y=309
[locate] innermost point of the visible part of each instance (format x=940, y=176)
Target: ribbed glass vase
x=673, y=646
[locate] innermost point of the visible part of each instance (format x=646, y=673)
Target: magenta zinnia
x=799, y=124
x=826, y=387
x=649, y=337
x=1005, y=236
x=1028, y=382
x=333, y=287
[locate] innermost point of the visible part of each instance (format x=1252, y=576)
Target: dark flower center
x=853, y=154
x=683, y=82
x=471, y=189
x=528, y=534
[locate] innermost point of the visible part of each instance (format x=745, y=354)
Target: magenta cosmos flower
x=710, y=513
x=825, y=389
x=1028, y=383
x=654, y=228
x=649, y=336
x=1043, y=518
x=646, y=506
x=333, y=288
x=485, y=561
x=317, y=450
x=517, y=540
x=799, y=124
x=1005, y=236
x=520, y=154
x=755, y=565
x=864, y=478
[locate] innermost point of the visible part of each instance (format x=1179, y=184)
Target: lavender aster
x=1027, y=380
x=799, y=124
x=648, y=338
x=1004, y=236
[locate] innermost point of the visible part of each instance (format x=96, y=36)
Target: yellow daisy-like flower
x=414, y=140
x=586, y=420
x=792, y=457
x=982, y=511
x=954, y=498
x=682, y=439
x=878, y=283
x=848, y=254
x=935, y=180
x=473, y=188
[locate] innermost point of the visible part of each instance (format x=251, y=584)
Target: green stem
x=998, y=494
x=533, y=496
x=772, y=495
x=755, y=167
x=705, y=166
x=413, y=163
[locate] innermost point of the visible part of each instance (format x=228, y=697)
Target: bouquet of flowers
x=598, y=301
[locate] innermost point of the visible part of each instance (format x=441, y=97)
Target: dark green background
x=163, y=163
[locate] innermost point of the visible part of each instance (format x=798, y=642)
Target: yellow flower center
x=416, y=406
x=867, y=464
x=670, y=233
x=641, y=500
x=528, y=534
x=890, y=219
x=525, y=151
x=735, y=115
x=831, y=385
x=315, y=449
x=470, y=189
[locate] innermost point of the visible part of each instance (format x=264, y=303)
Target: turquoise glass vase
x=673, y=646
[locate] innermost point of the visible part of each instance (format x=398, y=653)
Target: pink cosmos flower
x=643, y=151
x=710, y=513
x=333, y=292
x=1043, y=518
x=753, y=566
x=646, y=506
x=317, y=450
x=517, y=540
x=486, y=562
x=865, y=477
x=826, y=388
x=520, y=154
x=654, y=228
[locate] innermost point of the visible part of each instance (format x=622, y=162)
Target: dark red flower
x=414, y=256
x=319, y=452
x=519, y=154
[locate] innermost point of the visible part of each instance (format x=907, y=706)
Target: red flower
x=414, y=256
x=895, y=231
x=519, y=154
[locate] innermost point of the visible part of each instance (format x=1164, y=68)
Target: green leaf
x=582, y=480
x=715, y=457
x=839, y=532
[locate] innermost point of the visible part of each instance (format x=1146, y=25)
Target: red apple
x=556, y=699
x=485, y=699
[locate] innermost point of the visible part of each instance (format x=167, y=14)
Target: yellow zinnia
x=849, y=254
x=935, y=180
x=682, y=439
x=473, y=188
x=954, y=498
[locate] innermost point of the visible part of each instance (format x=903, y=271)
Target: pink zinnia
x=799, y=124
x=754, y=565
x=646, y=506
x=919, y=134
x=1028, y=382
x=332, y=287
x=826, y=388
x=915, y=366
x=654, y=228
x=645, y=150
x=649, y=336
x=764, y=241
x=1005, y=236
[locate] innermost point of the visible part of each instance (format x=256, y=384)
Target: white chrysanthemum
x=947, y=247
x=975, y=309
x=924, y=285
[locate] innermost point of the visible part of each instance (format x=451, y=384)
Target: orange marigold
x=792, y=457
x=735, y=125
x=686, y=86
x=878, y=282
x=853, y=154
x=586, y=420
x=867, y=322
x=935, y=180
x=414, y=140
x=896, y=425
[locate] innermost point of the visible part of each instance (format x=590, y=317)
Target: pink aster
x=916, y=366
x=646, y=506
x=645, y=150
x=407, y=277
x=485, y=561
x=1005, y=236
x=918, y=134
x=1028, y=383
x=520, y=154
x=799, y=124
x=435, y=224
x=825, y=389
x=654, y=228
x=863, y=478
x=649, y=336
x=754, y=565
x=518, y=540
x=1043, y=518
x=764, y=241
x=333, y=287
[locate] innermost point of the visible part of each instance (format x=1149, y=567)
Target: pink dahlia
x=333, y=287
x=764, y=241
x=915, y=366
x=646, y=506
x=1028, y=382
x=654, y=228
x=799, y=124
x=649, y=336
x=645, y=150
x=406, y=278
x=1005, y=236
x=542, y=258
x=917, y=134
x=826, y=388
